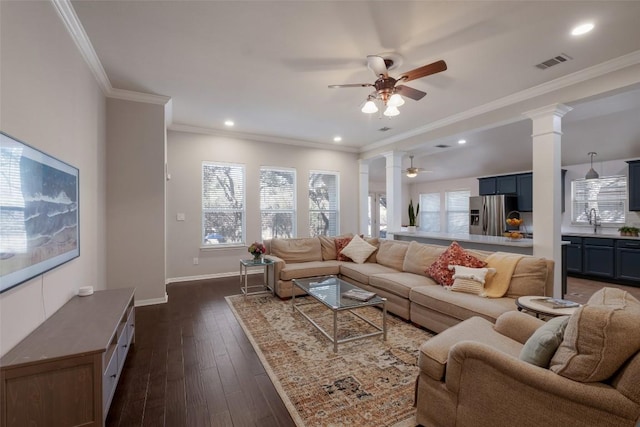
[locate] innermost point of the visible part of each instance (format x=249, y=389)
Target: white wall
x=51, y=101
x=187, y=151
x=136, y=198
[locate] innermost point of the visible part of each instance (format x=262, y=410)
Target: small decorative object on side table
x=546, y=306
x=256, y=249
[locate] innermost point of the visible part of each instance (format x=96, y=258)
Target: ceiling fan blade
x=424, y=71
x=410, y=92
x=351, y=85
x=377, y=65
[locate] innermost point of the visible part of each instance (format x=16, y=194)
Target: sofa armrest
x=517, y=326
x=491, y=379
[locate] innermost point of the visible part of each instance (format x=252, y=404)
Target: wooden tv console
x=66, y=371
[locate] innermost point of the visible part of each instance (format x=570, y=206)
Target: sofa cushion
x=600, y=337
x=528, y=278
x=434, y=352
x=373, y=241
x=391, y=253
x=341, y=243
x=297, y=250
x=459, y=305
x=453, y=255
x=420, y=256
x=328, y=246
x=399, y=283
x=542, y=345
x=302, y=270
x=358, y=250
x=362, y=272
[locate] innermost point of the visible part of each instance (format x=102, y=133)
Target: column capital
x=558, y=110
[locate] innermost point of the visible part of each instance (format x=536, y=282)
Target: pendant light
x=592, y=174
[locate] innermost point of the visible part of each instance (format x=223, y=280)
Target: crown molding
x=612, y=65
x=130, y=95
x=178, y=127
x=79, y=36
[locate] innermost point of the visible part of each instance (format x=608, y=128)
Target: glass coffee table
x=329, y=291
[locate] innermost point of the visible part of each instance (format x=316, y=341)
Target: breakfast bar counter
x=468, y=241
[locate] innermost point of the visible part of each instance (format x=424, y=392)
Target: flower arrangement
x=257, y=249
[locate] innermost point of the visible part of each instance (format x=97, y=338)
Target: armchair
x=470, y=375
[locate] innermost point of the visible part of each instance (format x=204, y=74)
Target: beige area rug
x=368, y=382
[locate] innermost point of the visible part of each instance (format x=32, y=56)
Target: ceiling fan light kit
x=388, y=90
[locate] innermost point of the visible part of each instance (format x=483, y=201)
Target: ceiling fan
x=412, y=172
x=389, y=90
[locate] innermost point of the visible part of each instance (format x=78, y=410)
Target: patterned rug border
x=297, y=419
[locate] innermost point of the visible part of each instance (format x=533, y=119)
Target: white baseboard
x=208, y=276
x=152, y=301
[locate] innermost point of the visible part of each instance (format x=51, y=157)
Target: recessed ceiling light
x=582, y=29
x=462, y=141
x=229, y=123
x=337, y=138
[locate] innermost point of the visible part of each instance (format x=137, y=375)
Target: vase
x=257, y=257
x=411, y=228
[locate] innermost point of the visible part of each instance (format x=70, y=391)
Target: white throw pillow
x=358, y=250
x=469, y=280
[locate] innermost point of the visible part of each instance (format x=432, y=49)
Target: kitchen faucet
x=593, y=219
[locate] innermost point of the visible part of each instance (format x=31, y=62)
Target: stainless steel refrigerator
x=488, y=214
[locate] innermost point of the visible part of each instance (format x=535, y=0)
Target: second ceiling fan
x=389, y=90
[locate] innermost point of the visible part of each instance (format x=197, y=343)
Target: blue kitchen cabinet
x=598, y=257
x=525, y=192
x=634, y=185
x=487, y=186
x=628, y=259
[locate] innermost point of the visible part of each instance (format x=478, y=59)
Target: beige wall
x=136, y=198
x=187, y=151
x=50, y=100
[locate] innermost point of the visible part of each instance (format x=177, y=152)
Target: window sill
x=222, y=247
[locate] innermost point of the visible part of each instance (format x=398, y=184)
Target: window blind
x=606, y=196
x=277, y=202
x=223, y=203
x=430, y=212
x=323, y=203
x=457, y=211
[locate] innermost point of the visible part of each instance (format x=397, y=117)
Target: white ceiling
x=267, y=64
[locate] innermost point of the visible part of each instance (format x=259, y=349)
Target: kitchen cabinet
x=525, y=192
x=507, y=184
x=487, y=186
x=628, y=259
x=574, y=254
x=598, y=256
x=634, y=185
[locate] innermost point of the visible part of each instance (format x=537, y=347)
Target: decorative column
x=547, y=190
x=394, y=190
x=363, y=197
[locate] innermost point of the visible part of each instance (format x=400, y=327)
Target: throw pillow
x=358, y=250
x=542, y=345
x=341, y=243
x=600, y=337
x=469, y=280
x=454, y=255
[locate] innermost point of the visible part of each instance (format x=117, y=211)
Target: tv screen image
x=39, y=212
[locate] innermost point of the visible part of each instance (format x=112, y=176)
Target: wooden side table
x=529, y=303
x=245, y=264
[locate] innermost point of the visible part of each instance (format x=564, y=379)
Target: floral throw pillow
x=341, y=243
x=454, y=255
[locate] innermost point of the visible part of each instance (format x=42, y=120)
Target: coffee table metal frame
x=245, y=288
x=328, y=291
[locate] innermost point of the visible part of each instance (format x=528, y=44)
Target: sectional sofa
x=397, y=271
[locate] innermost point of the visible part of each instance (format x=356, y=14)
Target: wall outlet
x=195, y=261
x=180, y=217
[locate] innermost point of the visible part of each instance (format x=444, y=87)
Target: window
x=457, y=211
x=323, y=203
x=223, y=216
x=430, y=212
x=277, y=202
x=606, y=197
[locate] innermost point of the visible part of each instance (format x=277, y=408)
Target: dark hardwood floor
x=192, y=365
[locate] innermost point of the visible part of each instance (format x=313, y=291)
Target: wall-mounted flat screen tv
x=39, y=212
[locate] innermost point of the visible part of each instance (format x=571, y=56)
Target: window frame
x=576, y=219
x=204, y=211
x=337, y=199
x=293, y=211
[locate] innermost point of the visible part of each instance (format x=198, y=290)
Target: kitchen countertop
x=465, y=237
x=602, y=236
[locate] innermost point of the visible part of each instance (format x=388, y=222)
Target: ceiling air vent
x=442, y=146
x=384, y=129
x=563, y=57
